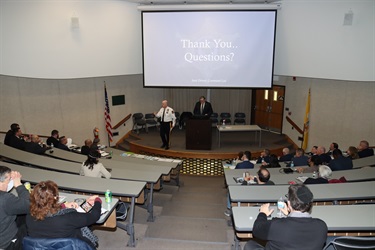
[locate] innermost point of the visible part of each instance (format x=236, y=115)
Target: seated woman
x=352, y=153
x=93, y=168
x=324, y=174
x=50, y=219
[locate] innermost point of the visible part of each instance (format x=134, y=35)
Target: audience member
x=16, y=139
x=54, y=138
x=352, y=153
x=300, y=159
x=10, y=132
x=324, y=174
x=323, y=156
x=92, y=167
x=245, y=161
x=62, y=143
x=287, y=156
x=263, y=177
x=34, y=146
x=340, y=162
x=314, y=163
x=274, y=162
x=50, y=219
x=296, y=231
x=332, y=147
x=12, y=209
x=85, y=149
x=264, y=156
x=314, y=151
x=364, y=150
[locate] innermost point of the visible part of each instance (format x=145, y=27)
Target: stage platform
x=204, y=162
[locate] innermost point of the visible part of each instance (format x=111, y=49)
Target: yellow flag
x=306, y=123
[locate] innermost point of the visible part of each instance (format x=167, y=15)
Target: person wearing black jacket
x=296, y=231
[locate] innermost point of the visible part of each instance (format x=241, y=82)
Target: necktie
x=162, y=119
x=202, y=109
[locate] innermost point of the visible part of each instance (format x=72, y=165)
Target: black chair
x=225, y=116
x=239, y=118
x=214, y=119
x=347, y=242
x=138, y=120
x=183, y=118
x=30, y=243
x=151, y=120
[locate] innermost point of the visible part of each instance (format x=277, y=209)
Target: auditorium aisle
x=188, y=217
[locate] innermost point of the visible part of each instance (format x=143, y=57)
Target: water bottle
x=223, y=125
x=292, y=166
x=280, y=205
x=314, y=175
x=51, y=149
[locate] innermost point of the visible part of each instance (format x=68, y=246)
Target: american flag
x=107, y=115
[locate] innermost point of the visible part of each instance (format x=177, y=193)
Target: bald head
x=285, y=151
x=88, y=142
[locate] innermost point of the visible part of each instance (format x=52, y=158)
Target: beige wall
x=74, y=107
x=341, y=111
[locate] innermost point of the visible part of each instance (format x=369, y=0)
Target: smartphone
x=86, y=206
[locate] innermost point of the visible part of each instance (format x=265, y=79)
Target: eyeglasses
x=287, y=196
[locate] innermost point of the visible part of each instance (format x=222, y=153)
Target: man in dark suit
x=15, y=139
x=245, y=161
x=287, y=156
x=203, y=107
x=300, y=159
x=323, y=156
x=54, y=138
x=364, y=150
x=34, y=147
x=264, y=156
x=340, y=162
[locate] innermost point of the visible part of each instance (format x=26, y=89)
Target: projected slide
x=208, y=48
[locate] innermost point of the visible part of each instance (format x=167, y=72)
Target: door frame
x=254, y=101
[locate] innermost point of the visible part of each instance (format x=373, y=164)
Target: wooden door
x=268, y=106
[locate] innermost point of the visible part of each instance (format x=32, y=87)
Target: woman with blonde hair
x=50, y=219
x=352, y=152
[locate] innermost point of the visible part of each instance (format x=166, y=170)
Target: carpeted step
x=178, y=228
x=194, y=210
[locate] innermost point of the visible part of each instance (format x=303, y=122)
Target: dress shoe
x=166, y=148
x=162, y=146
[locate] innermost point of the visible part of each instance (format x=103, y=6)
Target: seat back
x=149, y=116
x=239, y=118
x=239, y=115
x=347, y=243
x=30, y=243
x=225, y=116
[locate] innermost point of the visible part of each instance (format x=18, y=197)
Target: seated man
x=300, y=159
x=364, y=150
x=62, y=143
x=296, y=231
x=53, y=139
x=340, y=162
x=10, y=132
x=85, y=150
x=287, y=156
x=263, y=177
x=34, y=146
x=323, y=156
x=313, y=151
x=314, y=163
x=16, y=139
x=245, y=161
x=332, y=147
x=12, y=229
x=264, y=156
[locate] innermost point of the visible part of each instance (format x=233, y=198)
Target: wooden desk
x=109, y=206
x=322, y=192
x=151, y=176
x=240, y=128
x=87, y=185
x=336, y=218
x=362, y=174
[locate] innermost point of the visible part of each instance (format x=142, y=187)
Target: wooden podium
x=198, y=134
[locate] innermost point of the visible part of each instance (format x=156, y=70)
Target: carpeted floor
x=187, y=217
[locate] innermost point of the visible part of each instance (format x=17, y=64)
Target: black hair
x=3, y=171
x=336, y=152
x=92, y=159
x=316, y=160
x=247, y=154
x=54, y=132
x=300, y=197
x=262, y=177
x=335, y=145
x=274, y=162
